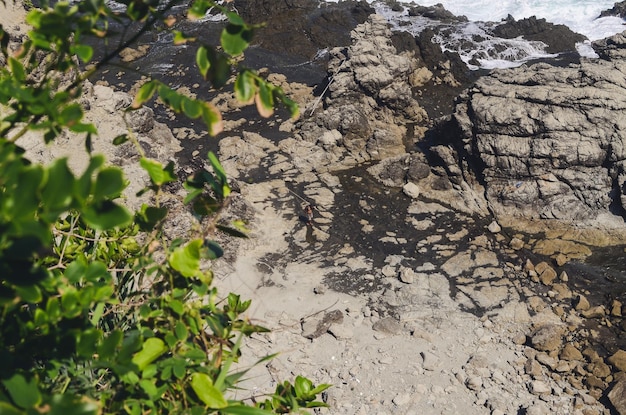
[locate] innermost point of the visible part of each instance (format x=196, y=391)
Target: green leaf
x=186, y=259
x=17, y=70
x=110, y=344
x=106, y=215
x=235, y=38
x=264, y=99
x=24, y=393
x=202, y=385
x=244, y=410
x=8, y=409
x=159, y=175
x=149, y=387
x=84, y=52
x=181, y=331
x=202, y=60
x=191, y=108
x=120, y=139
x=29, y=294
x=70, y=115
x=68, y=404
x=221, y=174
x=151, y=350
x=145, y=93
x=109, y=183
x=212, y=250
x=149, y=216
x=245, y=87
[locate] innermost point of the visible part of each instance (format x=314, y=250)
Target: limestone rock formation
x=548, y=142
x=368, y=103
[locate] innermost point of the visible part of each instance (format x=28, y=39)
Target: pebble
x=494, y=227
x=430, y=361
x=539, y=387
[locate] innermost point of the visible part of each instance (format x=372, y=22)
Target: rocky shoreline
x=435, y=278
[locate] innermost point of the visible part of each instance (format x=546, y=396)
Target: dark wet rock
x=618, y=9
x=436, y=12
x=302, y=27
x=559, y=38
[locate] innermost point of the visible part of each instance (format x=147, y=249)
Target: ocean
x=581, y=16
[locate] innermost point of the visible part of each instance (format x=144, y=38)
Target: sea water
x=581, y=16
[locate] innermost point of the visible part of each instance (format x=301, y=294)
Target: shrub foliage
x=99, y=312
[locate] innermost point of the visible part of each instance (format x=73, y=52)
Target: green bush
x=99, y=312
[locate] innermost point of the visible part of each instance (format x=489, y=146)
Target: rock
x=594, y=312
x=553, y=165
x=411, y=190
x=401, y=399
x=494, y=227
x=582, y=304
x=599, y=369
x=617, y=396
x=616, y=308
x=548, y=276
x=559, y=38
x=315, y=326
x=560, y=260
x=618, y=360
x=429, y=361
x=388, y=325
x=369, y=101
x=516, y=244
x=570, y=352
x=538, y=387
x=474, y=383
x=548, y=338
x=407, y=275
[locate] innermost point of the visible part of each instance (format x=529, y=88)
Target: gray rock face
x=548, y=142
x=368, y=100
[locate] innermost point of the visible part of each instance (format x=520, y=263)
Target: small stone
x=582, y=303
x=599, y=369
x=402, y=399
x=560, y=260
x=494, y=227
x=407, y=275
x=594, y=312
x=616, y=308
x=564, y=277
x=533, y=368
x=618, y=360
x=519, y=339
x=411, y=190
x=474, y=383
x=547, y=276
x=387, y=325
x=570, y=352
x=430, y=361
x=617, y=396
x=539, y=387
x=548, y=338
x=516, y=244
